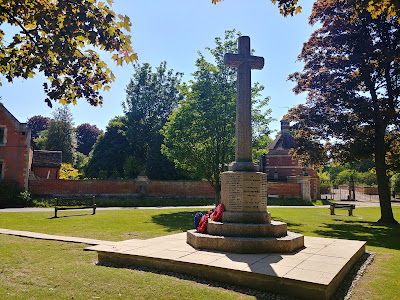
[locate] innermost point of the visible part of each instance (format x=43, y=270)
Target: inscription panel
x=244, y=191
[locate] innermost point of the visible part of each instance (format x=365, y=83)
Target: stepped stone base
x=246, y=217
x=273, y=229
x=286, y=244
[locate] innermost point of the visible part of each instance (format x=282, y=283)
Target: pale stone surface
x=313, y=272
x=246, y=217
x=244, y=191
x=273, y=229
x=286, y=244
x=244, y=62
x=306, y=275
x=60, y=238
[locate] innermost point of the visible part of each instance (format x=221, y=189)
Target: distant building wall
x=14, y=148
x=46, y=172
x=284, y=189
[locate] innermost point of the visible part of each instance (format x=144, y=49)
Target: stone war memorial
x=244, y=247
x=246, y=225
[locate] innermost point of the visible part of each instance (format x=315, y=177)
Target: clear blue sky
x=174, y=31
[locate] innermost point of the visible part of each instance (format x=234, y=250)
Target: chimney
x=285, y=127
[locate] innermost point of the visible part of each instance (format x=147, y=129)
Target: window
x=2, y=135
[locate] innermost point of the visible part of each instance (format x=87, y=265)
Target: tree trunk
x=217, y=188
x=382, y=178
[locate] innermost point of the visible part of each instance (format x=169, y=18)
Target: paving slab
x=312, y=272
x=61, y=238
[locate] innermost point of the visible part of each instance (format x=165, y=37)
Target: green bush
x=12, y=195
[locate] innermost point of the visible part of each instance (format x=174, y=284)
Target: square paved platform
x=313, y=272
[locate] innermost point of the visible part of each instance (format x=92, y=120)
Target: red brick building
x=46, y=164
x=15, y=151
x=280, y=167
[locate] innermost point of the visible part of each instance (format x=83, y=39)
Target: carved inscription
x=244, y=191
x=234, y=188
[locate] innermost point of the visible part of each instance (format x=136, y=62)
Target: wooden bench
x=349, y=207
x=75, y=203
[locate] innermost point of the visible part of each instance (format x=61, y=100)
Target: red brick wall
x=285, y=165
x=284, y=189
x=362, y=189
x=15, y=153
x=96, y=187
x=51, y=187
x=42, y=172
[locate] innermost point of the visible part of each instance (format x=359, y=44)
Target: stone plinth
x=286, y=244
x=273, y=229
x=246, y=226
x=244, y=191
x=246, y=217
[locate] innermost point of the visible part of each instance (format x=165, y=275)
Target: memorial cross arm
x=235, y=60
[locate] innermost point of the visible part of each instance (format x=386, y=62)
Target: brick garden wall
x=362, y=189
x=284, y=189
x=53, y=187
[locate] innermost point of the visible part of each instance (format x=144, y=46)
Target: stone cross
x=244, y=62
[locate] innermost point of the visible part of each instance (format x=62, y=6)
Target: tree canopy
x=389, y=8
x=110, y=152
x=86, y=136
x=58, y=38
x=151, y=97
x=60, y=135
x=37, y=124
x=352, y=76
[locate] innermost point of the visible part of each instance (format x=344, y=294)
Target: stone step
x=273, y=229
x=287, y=244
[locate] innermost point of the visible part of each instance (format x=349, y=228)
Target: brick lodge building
x=281, y=168
x=18, y=160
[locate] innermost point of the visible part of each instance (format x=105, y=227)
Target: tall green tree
x=352, y=76
x=53, y=38
x=61, y=135
x=110, y=152
x=151, y=98
x=200, y=134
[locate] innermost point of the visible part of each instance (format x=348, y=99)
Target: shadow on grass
x=175, y=221
x=67, y=216
x=375, y=234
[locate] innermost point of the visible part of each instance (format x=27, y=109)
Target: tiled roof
x=285, y=141
x=44, y=158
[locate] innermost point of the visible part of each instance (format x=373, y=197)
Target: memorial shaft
x=243, y=106
x=244, y=62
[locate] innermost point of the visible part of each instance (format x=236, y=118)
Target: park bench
x=349, y=207
x=75, y=203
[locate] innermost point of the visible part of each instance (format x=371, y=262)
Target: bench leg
x=332, y=211
x=350, y=212
x=55, y=212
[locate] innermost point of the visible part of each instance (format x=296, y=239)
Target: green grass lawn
x=36, y=269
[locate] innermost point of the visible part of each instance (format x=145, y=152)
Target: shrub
x=12, y=195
